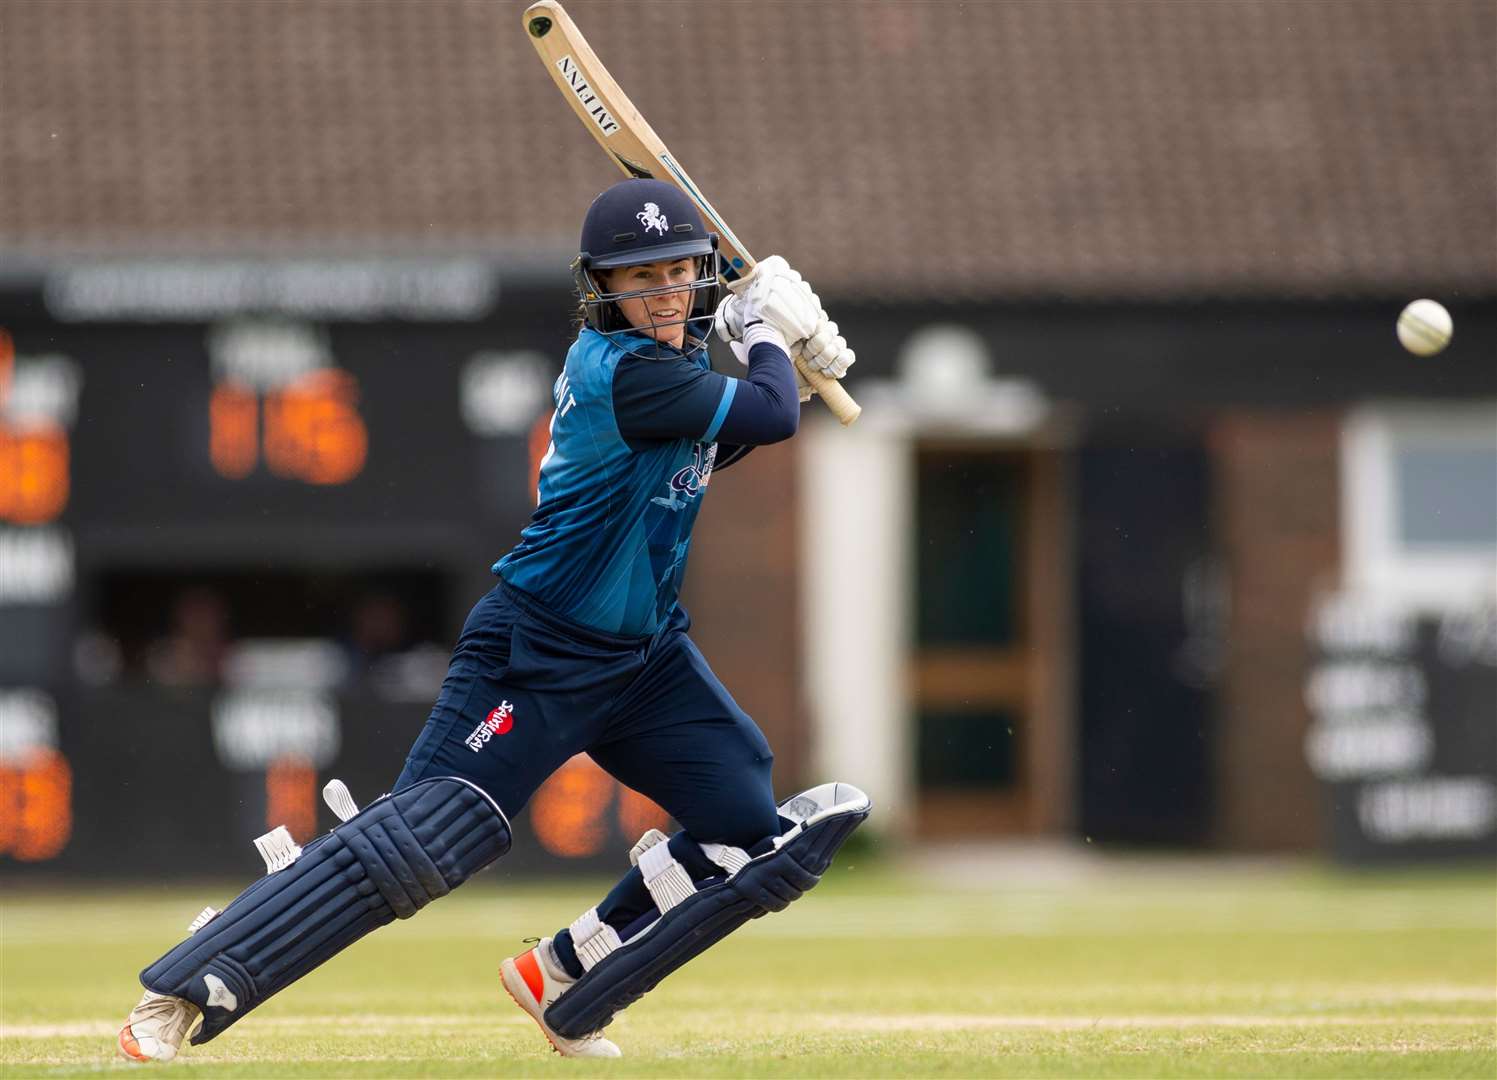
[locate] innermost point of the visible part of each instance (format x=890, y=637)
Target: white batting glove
x=728, y=322
x=802, y=388
x=826, y=350
x=728, y=319
x=776, y=296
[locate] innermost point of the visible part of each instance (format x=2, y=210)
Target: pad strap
x=593, y=938
x=731, y=859
x=650, y=838
x=667, y=879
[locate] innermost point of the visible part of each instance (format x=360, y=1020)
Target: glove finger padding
x=824, y=348
x=827, y=351
x=728, y=320
x=845, y=361
x=833, y=360
x=820, y=341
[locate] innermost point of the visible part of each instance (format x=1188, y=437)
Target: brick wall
x=742, y=595
x=1277, y=509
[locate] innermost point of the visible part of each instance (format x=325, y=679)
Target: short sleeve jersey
x=607, y=543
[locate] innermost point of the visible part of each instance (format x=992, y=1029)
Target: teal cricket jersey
x=632, y=451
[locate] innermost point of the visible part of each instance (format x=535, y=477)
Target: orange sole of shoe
x=516, y=999
x=129, y=1048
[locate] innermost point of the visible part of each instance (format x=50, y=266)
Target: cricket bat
x=638, y=151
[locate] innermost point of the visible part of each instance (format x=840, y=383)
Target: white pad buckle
x=667, y=880
x=731, y=859
x=593, y=938
x=278, y=849
x=339, y=799
x=650, y=838
x=204, y=917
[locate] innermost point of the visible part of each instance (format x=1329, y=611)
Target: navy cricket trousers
x=527, y=689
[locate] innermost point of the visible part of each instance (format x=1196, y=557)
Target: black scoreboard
x=1404, y=728
x=244, y=509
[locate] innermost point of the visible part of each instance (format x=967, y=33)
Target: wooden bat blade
x=597, y=100
x=611, y=118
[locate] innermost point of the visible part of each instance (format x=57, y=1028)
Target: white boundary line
x=830, y=1022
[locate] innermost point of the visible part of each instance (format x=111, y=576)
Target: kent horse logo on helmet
x=652, y=219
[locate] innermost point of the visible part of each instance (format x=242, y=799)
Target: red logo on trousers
x=501, y=719
x=497, y=722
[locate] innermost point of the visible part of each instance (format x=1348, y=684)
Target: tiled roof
x=1002, y=148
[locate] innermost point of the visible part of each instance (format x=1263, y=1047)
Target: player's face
x=661, y=315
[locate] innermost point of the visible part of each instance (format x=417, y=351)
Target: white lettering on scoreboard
x=1402, y=708
x=1355, y=686
x=1429, y=808
x=502, y=392
x=43, y=389
x=193, y=290
x=1380, y=746
x=28, y=722
x=36, y=566
x=252, y=728
x=267, y=355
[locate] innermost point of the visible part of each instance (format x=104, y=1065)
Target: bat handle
x=843, y=407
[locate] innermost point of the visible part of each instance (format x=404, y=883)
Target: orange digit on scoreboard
x=291, y=797
x=233, y=430
x=313, y=431
x=36, y=806
x=34, y=484
x=570, y=811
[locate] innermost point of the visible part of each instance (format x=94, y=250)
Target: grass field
x=1195, y=969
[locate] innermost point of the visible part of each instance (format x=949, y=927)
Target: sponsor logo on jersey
x=652, y=219
x=498, y=722
x=688, y=481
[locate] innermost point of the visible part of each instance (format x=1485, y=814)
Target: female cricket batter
x=581, y=647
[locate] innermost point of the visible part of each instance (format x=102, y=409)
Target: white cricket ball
x=1424, y=327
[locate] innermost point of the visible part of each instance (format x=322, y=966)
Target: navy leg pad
x=386, y=862
x=768, y=883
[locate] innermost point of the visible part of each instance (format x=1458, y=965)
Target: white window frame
x=1428, y=577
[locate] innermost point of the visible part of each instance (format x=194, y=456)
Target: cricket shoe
x=156, y=1027
x=535, y=980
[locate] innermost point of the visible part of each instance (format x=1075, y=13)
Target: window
x=1419, y=502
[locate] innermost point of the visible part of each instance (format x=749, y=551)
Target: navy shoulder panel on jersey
x=676, y=397
x=669, y=398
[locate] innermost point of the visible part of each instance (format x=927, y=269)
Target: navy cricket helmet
x=640, y=221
